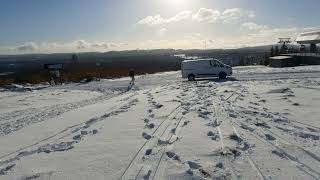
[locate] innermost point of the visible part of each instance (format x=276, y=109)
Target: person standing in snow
x=131, y=74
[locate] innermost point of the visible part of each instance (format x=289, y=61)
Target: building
x=282, y=61
x=309, y=38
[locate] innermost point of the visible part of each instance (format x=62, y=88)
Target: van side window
x=220, y=64
x=213, y=63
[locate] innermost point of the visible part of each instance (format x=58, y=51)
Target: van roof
x=195, y=60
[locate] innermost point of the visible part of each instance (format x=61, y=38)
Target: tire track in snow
x=268, y=131
x=36, y=115
x=135, y=157
x=165, y=148
x=252, y=163
x=69, y=128
x=302, y=166
x=294, y=161
x=153, y=169
x=248, y=156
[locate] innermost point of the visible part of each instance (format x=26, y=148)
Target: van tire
x=222, y=75
x=191, y=77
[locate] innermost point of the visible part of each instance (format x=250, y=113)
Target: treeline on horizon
x=30, y=68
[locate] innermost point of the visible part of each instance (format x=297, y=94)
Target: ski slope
x=261, y=123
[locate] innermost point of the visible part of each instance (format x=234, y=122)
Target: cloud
x=202, y=15
x=235, y=14
x=261, y=35
x=264, y=36
x=152, y=20
x=183, y=15
x=82, y=44
x=252, y=26
x=73, y=46
x=162, y=31
x=206, y=15
x=29, y=46
x=158, y=20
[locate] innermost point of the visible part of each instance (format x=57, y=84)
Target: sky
x=54, y=26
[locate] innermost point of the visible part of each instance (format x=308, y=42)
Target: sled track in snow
x=316, y=127
x=66, y=129
x=292, y=159
x=249, y=158
x=164, y=149
x=303, y=167
x=44, y=113
x=156, y=165
x=147, y=141
x=312, y=155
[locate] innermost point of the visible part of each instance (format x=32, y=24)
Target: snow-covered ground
x=262, y=123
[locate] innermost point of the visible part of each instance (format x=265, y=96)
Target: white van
x=201, y=68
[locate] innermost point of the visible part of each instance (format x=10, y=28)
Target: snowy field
x=261, y=123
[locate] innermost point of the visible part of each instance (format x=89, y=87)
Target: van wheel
x=191, y=77
x=222, y=75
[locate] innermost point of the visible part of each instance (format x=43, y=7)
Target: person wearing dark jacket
x=131, y=74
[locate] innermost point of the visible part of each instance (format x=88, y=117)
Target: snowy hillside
x=262, y=123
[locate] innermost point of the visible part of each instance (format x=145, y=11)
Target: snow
x=261, y=123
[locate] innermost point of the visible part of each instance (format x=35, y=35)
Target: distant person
x=52, y=82
x=131, y=75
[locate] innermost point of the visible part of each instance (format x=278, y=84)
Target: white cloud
x=252, y=26
x=158, y=20
x=183, y=15
x=29, y=46
x=235, y=14
x=202, y=15
x=162, y=31
x=251, y=34
x=82, y=44
x=262, y=36
x=152, y=20
x=206, y=15
x=51, y=47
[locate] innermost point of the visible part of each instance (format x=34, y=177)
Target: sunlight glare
x=175, y=2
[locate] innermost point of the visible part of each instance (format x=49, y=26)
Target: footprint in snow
x=173, y=155
x=213, y=136
x=148, y=152
x=262, y=124
x=185, y=123
x=5, y=170
x=233, y=115
x=77, y=137
x=263, y=101
x=163, y=142
x=220, y=165
x=193, y=165
x=95, y=131
x=280, y=154
x=146, y=136
x=147, y=176
x=270, y=137
x=150, y=126
x=235, y=137
x=146, y=120
x=243, y=126
x=84, y=132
